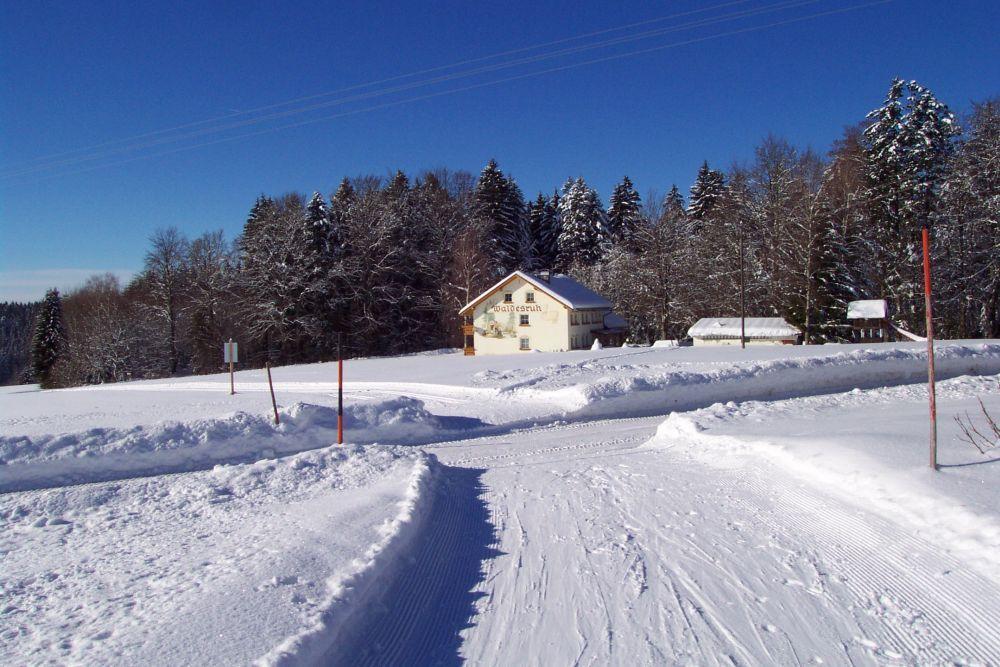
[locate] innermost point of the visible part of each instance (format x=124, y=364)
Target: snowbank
x=104, y=454
x=642, y=391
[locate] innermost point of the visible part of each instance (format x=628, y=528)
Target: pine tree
x=584, y=237
x=50, y=339
x=706, y=193
x=624, y=213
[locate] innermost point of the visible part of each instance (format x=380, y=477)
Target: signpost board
x=230, y=355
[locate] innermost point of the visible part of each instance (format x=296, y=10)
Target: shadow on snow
x=419, y=617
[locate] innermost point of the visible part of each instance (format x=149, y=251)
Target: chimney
x=545, y=275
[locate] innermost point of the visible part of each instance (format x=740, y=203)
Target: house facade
x=759, y=331
x=547, y=313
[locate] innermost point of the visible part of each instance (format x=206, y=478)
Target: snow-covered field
x=553, y=511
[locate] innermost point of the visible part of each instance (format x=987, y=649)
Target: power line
x=397, y=77
x=777, y=6
x=508, y=79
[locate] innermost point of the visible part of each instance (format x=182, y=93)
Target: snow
x=730, y=327
x=867, y=309
x=214, y=567
x=663, y=505
x=102, y=454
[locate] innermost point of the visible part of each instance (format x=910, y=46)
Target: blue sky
x=77, y=75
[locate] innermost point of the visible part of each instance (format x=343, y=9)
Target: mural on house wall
x=501, y=320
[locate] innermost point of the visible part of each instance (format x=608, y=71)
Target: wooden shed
x=869, y=319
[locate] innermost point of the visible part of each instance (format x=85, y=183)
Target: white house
x=545, y=312
x=759, y=331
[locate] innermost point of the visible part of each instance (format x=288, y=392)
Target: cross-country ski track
x=603, y=551
x=682, y=508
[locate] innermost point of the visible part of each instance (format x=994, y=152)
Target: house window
x=525, y=344
x=524, y=320
x=529, y=297
x=574, y=318
x=508, y=298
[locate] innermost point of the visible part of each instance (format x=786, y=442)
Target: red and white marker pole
x=930, y=345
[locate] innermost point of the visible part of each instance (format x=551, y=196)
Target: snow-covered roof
x=729, y=327
x=869, y=309
x=560, y=287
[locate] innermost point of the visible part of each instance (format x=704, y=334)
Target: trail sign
x=230, y=355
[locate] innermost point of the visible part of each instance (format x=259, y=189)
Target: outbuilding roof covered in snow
x=868, y=309
x=560, y=287
x=756, y=327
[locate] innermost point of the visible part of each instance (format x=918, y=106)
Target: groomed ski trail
x=570, y=544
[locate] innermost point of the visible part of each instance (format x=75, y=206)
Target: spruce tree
x=706, y=193
x=624, y=213
x=907, y=145
x=673, y=203
x=398, y=186
x=584, y=237
x=500, y=204
x=49, y=340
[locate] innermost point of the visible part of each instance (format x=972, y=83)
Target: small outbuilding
x=544, y=312
x=869, y=319
x=759, y=331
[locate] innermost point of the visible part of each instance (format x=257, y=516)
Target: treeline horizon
x=383, y=265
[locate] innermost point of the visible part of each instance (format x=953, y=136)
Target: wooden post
x=274, y=404
x=340, y=394
x=232, y=382
x=930, y=345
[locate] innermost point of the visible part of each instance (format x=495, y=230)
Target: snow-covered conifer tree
x=500, y=203
x=706, y=192
x=907, y=147
x=49, y=340
x=624, y=213
x=584, y=237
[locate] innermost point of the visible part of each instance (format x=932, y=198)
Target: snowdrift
x=645, y=392
x=105, y=454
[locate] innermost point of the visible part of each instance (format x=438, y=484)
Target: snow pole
x=274, y=404
x=340, y=394
x=930, y=345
